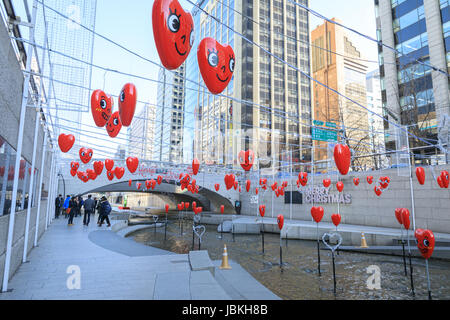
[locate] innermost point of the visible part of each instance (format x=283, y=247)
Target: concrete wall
x=431, y=202
x=19, y=237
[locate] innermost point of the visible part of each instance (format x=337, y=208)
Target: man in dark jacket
x=89, y=207
x=59, y=201
x=73, y=206
x=104, y=211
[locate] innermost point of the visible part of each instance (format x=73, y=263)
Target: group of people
x=71, y=207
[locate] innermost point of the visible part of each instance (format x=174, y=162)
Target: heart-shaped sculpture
x=229, y=181
x=109, y=164
x=127, y=104
x=216, y=64
x=222, y=209
x=110, y=175
x=119, y=172
x=336, y=218
x=445, y=179
x=317, y=213
x=195, y=166
x=246, y=159
x=173, y=31
x=199, y=231
x=425, y=242
x=329, y=237
x=101, y=107
x=378, y=191
x=398, y=215
x=342, y=158
x=303, y=178
x=217, y=186
x=405, y=218
x=159, y=180
x=370, y=179
x=66, y=142
x=356, y=181
x=280, y=221
x=262, y=210
x=248, y=185
x=326, y=183
x=420, y=174
x=114, y=125
x=167, y=208
x=74, y=166
x=98, y=167
x=132, y=164
x=86, y=155
x=340, y=186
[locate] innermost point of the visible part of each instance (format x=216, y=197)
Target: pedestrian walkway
x=113, y=267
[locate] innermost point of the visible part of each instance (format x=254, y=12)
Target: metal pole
x=411, y=181
x=44, y=151
x=31, y=189
x=5, y=178
x=23, y=110
x=50, y=193
x=292, y=191
x=428, y=280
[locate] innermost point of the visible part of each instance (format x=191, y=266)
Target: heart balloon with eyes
x=445, y=179
x=356, y=181
x=369, y=179
x=91, y=174
x=326, y=183
x=420, y=174
x=148, y=184
x=132, y=164
x=119, y=172
x=440, y=182
x=86, y=155
x=74, y=166
x=317, y=213
x=84, y=177
x=303, y=178
x=342, y=158
x=72, y=172
x=384, y=182
x=127, y=104
x=66, y=142
x=101, y=107
x=173, y=31
x=378, y=191
x=110, y=175
x=114, y=125
x=216, y=64
x=246, y=159
x=425, y=242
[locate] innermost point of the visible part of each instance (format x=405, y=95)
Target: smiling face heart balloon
x=216, y=63
x=384, y=182
x=356, y=181
x=303, y=178
x=369, y=179
x=114, y=125
x=101, y=107
x=420, y=174
x=246, y=159
x=86, y=155
x=74, y=166
x=425, y=242
x=173, y=31
x=445, y=179
x=378, y=191
x=127, y=103
x=132, y=164
x=65, y=142
x=342, y=158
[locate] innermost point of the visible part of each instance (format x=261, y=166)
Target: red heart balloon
x=274, y=186
x=420, y=174
x=109, y=164
x=138, y=185
x=114, y=125
x=256, y=191
x=119, y=172
x=132, y=164
x=356, y=181
x=80, y=174
x=405, y=218
x=91, y=174
x=336, y=218
x=445, y=179
x=262, y=210
x=216, y=64
x=129, y=182
x=179, y=207
x=369, y=179
x=194, y=204
x=280, y=221
x=127, y=103
x=72, y=172
x=342, y=158
x=317, y=213
x=101, y=107
x=153, y=184
x=194, y=183
x=173, y=31
x=86, y=155
x=85, y=177
x=159, y=180
x=236, y=185
x=246, y=159
x=281, y=191
x=326, y=183
x=229, y=181
x=340, y=186
x=74, y=166
x=440, y=182
x=384, y=182
x=186, y=205
x=303, y=178
x=248, y=185
x=195, y=166
x=167, y=208
x=217, y=186
x=378, y=190
x=182, y=205
x=398, y=215
x=66, y=142
x=148, y=184
x=98, y=167
x=222, y=209
x=198, y=210
x=110, y=175
x=425, y=242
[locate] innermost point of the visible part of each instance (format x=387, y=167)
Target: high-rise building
x=141, y=134
x=414, y=77
x=169, y=124
x=345, y=73
x=277, y=121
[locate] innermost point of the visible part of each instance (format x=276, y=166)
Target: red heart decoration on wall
x=405, y=218
x=217, y=186
x=326, y=183
x=195, y=166
x=280, y=221
x=262, y=210
x=356, y=181
x=369, y=179
x=340, y=186
x=336, y=218
x=378, y=191
x=101, y=107
x=127, y=103
x=114, y=125
x=86, y=155
x=246, y=159
x=342, y=158
x=229, y=181
x=317, y=213
x=216, y=64
x=109, y=164
x=66, y=142
x=74, y=166
x=303, y=178
x=248, y=185
x=173, y=31
x=98, y=167
x=119, y=172
x=420, y=174
x=398, y=215
x=425, y=242
x=222, y=209
x=110, y=175
x=445, y=179
x=132, y=164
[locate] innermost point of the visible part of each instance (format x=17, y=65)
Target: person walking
x=66, y=205
x=59, y=201
x=105, y=210
x=73, y=207
x=89, y=207
x=80, y=205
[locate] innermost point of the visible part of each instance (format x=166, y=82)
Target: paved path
x=113, y=267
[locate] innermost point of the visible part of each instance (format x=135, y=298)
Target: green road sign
x=318, y=123
x=324, y=135
x=331, y=125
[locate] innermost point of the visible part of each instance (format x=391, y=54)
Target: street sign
x=331, y=125
x=318, y=123
x=324, y=135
